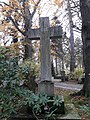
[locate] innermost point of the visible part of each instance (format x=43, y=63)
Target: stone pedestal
x=46, y=87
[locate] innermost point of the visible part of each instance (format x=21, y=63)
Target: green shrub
x=78, y=72
x=13, y=101
x=14, y=97
x=11, y=75
x=29, y=69
x=70, y=76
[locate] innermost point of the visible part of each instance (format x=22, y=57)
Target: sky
x=3, y=0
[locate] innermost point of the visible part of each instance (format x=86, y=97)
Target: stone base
x=46, y=87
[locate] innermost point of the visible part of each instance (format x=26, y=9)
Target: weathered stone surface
x=46, y=87
x=45, y=60
x=45, y=33
x=55, y=32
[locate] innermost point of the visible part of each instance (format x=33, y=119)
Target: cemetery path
x=67, y=85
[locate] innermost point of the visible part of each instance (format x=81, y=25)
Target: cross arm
x=55, y=32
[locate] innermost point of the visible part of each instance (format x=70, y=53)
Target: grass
x=82, y=104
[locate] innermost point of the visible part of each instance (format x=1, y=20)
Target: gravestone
x=45, y=33
x=46, y=85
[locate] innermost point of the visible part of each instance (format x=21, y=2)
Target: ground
x=82, y=104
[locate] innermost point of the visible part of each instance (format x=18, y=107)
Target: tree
x=19, y=14
x=72, y=60
x=78, y=53
x=75, y=9
x=71, y=20
x=85, y=13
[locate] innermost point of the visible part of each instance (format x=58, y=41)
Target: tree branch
x=35, y=8
x=6, y=4
x=15, y=24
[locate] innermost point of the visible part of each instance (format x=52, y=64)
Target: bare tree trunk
x=85, y=13
x=28, y=24
x=60, y=52
x=56, y=65
x=62, y=57
x=28, y=16
x=28, y=49
x=62, y=64
x=72, y=60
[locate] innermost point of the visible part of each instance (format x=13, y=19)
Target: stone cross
x=45, y=33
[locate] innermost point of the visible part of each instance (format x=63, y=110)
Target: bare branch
x=15, y=24
x=6, y=4
x=35, y=8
